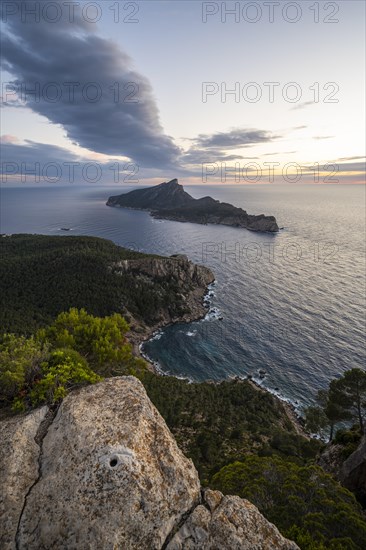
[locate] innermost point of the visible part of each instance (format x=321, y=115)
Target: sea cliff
x=191, y=283
x=91, y=273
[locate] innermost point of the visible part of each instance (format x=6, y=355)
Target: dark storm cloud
x=32, y=162
x=214, y=147
x=22, y=162
x=105, y=105
x=234, y=139
x=31, y=152
x=199, y=156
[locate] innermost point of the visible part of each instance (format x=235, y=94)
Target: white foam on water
x=213, y=314
x=156, y=336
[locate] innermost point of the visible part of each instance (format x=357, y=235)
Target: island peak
x=172, y=183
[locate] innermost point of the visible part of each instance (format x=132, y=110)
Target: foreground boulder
x=105, y=472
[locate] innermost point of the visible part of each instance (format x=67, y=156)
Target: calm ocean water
x=291, y=304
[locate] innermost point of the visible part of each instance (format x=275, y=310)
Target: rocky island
x=169, y=201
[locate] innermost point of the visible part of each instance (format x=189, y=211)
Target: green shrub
x=344, y=436
x=77, y=348
x=349, y=439
x=21, y=362
x=101, y=340
x=65, y=370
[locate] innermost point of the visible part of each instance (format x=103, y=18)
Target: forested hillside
x=42, y=276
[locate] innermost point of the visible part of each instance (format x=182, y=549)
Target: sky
x=209, y=92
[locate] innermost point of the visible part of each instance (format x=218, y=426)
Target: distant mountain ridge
x=169, y=201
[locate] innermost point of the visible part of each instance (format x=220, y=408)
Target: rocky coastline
x=194, y=281
x=140, y=334
x=199, y=306
x=290, y=409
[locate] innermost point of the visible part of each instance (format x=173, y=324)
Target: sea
x=287, y=309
